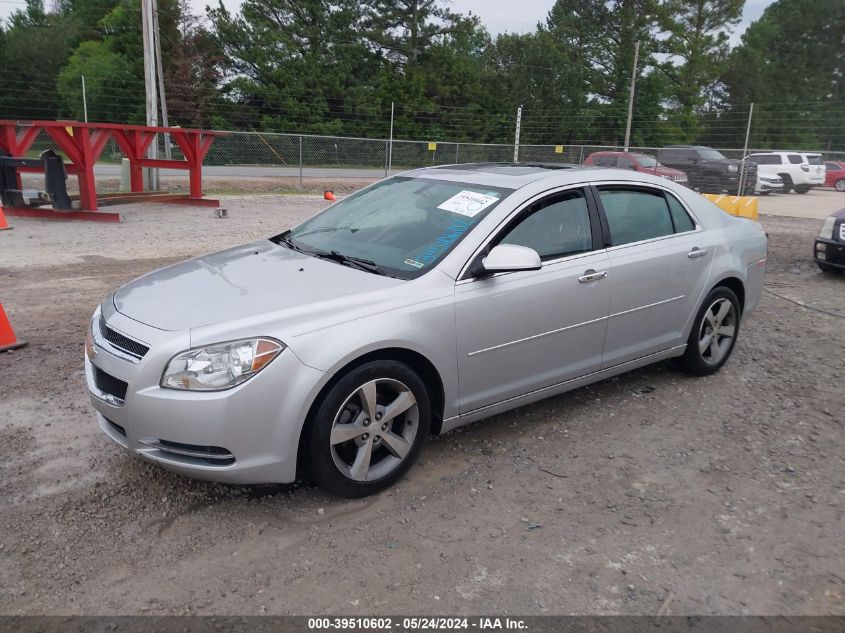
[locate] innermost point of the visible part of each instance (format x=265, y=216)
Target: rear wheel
x=369, y=429
x=839, y=185
x=713, y=334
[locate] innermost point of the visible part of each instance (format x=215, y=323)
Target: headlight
x=733, y=168
x=827, y=228
x=220, y=366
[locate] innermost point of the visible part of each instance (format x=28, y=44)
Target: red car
x=834, y=174
x=638, y=162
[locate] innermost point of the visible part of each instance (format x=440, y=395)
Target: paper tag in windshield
x=468, y=203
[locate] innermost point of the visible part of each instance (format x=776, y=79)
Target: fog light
x=821, y=256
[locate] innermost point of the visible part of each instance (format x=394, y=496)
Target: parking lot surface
x=651, y=491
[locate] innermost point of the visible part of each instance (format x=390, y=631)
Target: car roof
x=617, y=152
x=517, y=175
x=509, y=175
x=778, y=151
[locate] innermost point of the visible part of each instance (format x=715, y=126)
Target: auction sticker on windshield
x=468, y=203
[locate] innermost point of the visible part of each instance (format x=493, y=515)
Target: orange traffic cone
x=3, y=224
x=329, y=195
x=7, y=335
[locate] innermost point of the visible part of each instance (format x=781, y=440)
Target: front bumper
x=829, y=252
x=245, y=435
x=768, y=187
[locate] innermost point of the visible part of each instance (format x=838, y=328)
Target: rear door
x=518, y=332
x=660, y=261
x=816, y=165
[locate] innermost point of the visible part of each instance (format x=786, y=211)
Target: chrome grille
x=121, y=342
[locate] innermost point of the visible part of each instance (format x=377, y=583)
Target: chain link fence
x=351, y=157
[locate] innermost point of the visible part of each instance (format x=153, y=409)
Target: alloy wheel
x=718, y=328
x=374, y=430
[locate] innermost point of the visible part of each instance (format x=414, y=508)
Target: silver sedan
x=421, y=303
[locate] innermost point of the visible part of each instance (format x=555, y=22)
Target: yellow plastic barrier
x=742, y=206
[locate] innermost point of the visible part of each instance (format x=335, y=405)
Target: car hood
x=260, y=278
x=729, y=161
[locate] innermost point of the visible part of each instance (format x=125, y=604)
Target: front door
x=522, y=331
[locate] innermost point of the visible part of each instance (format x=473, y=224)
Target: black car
x=708, y=170
x=830, y=244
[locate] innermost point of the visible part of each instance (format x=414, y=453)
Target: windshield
x=647, y=161
x=710, y=154
x=401, y=226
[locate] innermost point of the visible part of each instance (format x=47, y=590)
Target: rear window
x=814, y=159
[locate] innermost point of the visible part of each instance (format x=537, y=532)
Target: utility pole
x=743, y=168
x=631, y=96
x=390, y=143
x=516, y=135
x=84, y=101
x=150, y=84
x=157, y=42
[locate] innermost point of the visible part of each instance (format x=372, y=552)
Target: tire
x=698, y=362
x=802, y=188
x=787, y=182
x=839, y=185
x=361, y=461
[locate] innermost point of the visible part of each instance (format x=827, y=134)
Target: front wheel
x=369, y=429
x=802, y=188
x=787, y=182
x=713, y=334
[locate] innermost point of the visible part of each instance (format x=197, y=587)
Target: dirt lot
x=720, y=495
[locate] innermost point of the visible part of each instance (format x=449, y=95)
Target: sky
x=497, y=15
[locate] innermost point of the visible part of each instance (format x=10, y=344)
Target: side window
x=635, y=214
x=555, y=227
x=765, y=159
x=680, y=217
x=795, y=159
x=605, y=161
x=832, y=167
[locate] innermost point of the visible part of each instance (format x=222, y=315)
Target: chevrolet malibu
x=421, y=303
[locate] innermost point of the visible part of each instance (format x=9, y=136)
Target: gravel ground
x=647, y=492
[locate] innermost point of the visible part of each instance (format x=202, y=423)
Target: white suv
x=799, y=171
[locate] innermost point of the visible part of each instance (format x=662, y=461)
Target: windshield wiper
x=285, y=239
x=335, y=256
x=356, y=262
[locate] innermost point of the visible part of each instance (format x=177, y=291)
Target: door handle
x=696, y=252
x=591, y=275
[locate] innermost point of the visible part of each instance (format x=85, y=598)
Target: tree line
x=338, y=66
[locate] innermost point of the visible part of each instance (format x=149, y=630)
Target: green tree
x=697, y=43
x=791, y=65
x=35, y=46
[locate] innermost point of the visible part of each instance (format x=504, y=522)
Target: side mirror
x=509, y=258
